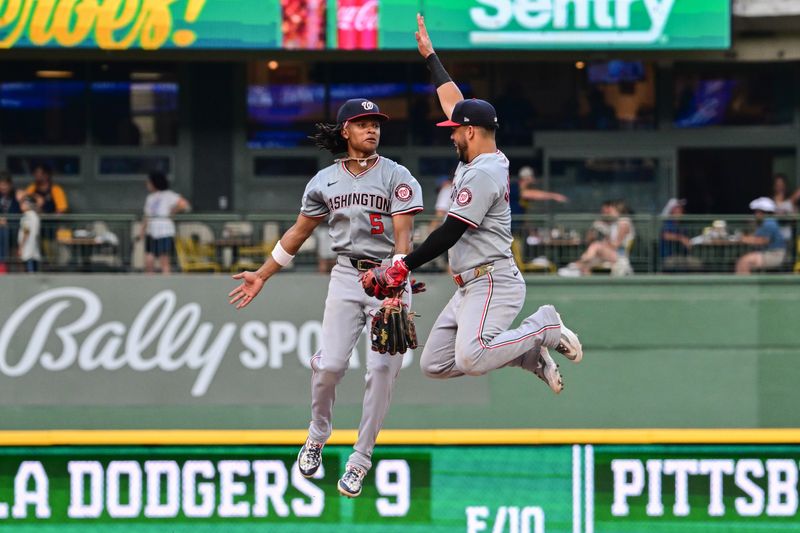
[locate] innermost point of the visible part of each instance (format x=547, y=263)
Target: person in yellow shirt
x=49, y=197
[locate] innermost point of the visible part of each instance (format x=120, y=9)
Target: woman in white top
x=614, y=248
x=785, y=203
x=28, y=238
x=157, y=227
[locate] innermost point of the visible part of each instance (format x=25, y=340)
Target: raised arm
x=448, y=91
x=284, y=252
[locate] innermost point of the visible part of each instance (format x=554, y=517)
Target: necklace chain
x=362, y=161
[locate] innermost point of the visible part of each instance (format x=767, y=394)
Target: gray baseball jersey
x=359, y=207
x=480, y=198
x=471, y=336
x=359, y=210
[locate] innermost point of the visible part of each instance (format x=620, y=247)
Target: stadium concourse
x=652, y=198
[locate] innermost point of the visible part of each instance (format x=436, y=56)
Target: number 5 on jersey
x=376, y=223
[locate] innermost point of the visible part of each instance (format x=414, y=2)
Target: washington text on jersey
x=373, y=201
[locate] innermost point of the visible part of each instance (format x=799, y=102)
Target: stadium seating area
x=542, y=244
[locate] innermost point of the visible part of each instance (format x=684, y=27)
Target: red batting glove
x=379, y=282
x=397, y=274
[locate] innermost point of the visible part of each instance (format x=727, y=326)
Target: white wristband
x=281, y=256
x=397, y=257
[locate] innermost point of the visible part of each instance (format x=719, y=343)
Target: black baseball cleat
x=310, y=457
x=350, y=484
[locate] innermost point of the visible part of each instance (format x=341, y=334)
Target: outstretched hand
x=423, y=40
x=249, y=289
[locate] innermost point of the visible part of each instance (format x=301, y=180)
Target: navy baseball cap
x=359, y=108
x=472, y=112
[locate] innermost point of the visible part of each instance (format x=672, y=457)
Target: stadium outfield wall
x=109, y=352
x=130, y=402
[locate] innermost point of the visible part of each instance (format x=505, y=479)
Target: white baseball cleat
x=310, y=457
x=569, y=346
x=547, y=370
x=350, y=484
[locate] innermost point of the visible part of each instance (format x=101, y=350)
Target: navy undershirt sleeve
x=439, y=241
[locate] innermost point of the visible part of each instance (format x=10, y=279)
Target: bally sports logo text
x=569, y=21
x=165, y=336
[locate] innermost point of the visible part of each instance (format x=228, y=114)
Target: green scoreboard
x=514, y=489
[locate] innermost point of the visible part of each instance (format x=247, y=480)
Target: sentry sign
x=581, y=21
x=580, y=24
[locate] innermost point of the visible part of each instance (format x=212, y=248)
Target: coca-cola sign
x=357, y=24
x=360, y=15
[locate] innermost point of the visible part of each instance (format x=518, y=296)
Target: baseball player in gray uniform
x=471, y=335
x=369, y=202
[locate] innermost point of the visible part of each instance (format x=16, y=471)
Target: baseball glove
x=393, y=330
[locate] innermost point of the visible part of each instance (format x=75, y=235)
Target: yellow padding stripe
x=435, y=437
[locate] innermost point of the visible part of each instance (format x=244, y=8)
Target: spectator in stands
x=767, y=236
x=158, y=228
x=29, y=227
x=527, y=191
x=49, y=197
x=785, y=203
x=522, y=192
x=524, y=180
x=600, y=228
x=612, y=250
x=675, y=243
x=9, y=205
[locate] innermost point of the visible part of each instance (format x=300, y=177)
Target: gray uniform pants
x=347, y=310
x=471, y=335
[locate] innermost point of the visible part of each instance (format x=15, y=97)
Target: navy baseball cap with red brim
x=472, y=112
x=357, y=108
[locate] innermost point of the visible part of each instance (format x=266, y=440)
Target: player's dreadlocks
x=329, y=137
